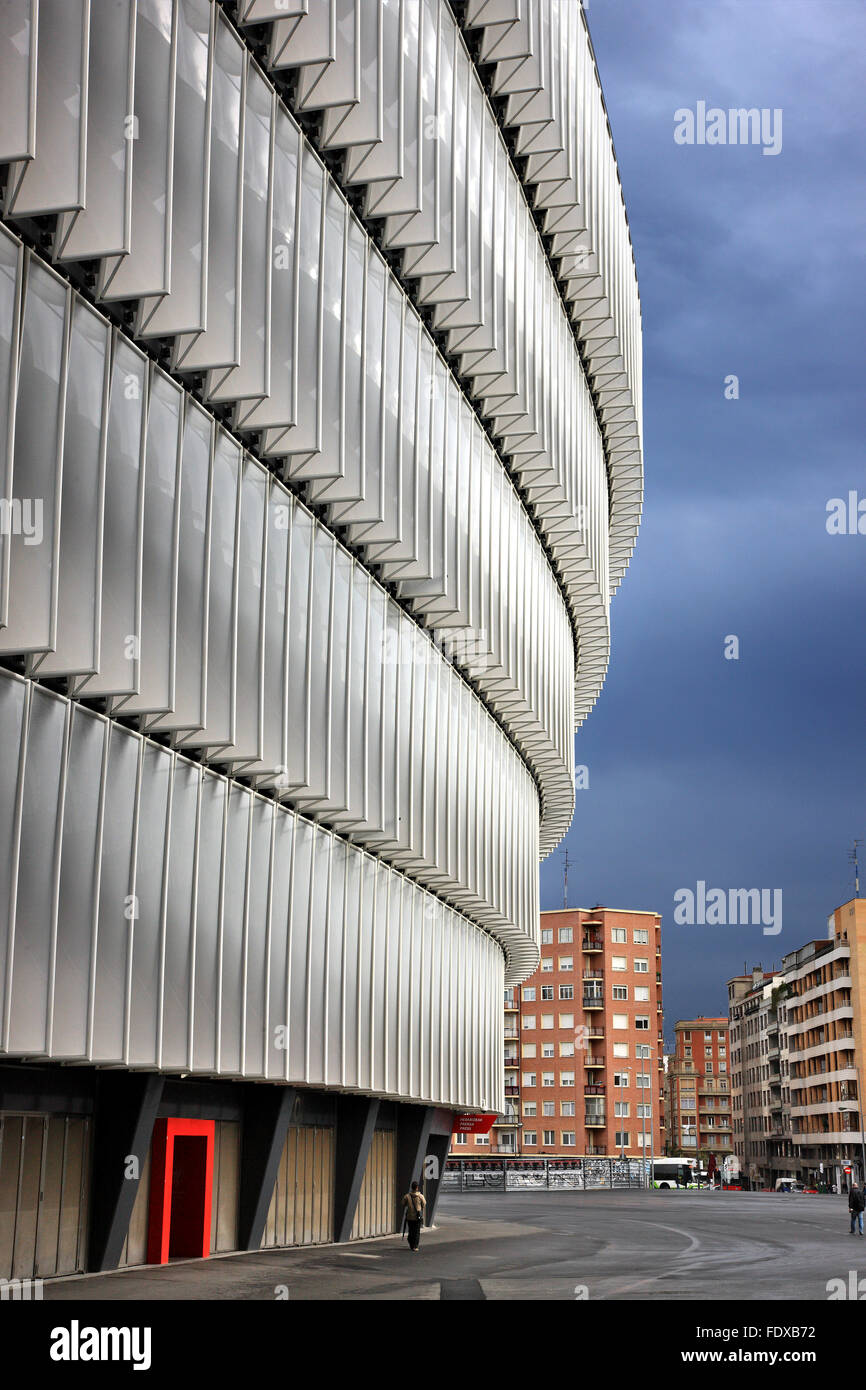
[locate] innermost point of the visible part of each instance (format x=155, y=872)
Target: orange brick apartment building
x=698, y=1103
x=584, y=1070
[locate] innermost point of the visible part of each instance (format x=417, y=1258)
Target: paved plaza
x=560, y=1246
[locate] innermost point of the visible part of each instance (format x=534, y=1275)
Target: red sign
x=473, y=1124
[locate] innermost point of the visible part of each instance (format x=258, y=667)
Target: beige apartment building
x=825, y=994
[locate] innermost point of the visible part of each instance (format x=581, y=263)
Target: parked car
x=789, y=1185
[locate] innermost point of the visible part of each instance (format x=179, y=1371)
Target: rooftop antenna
x=853, y=857
x=565, y=867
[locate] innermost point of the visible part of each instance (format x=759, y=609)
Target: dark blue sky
x=748, y=773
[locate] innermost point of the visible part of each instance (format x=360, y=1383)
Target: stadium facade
x=320, y=432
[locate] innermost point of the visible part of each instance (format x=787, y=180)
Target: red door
x=181, y=1183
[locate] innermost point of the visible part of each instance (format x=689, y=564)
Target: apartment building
x=824, y=984
x=755, y=1073
x=584, y=1068
x=698, y=1089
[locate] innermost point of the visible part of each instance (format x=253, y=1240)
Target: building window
x=643, y=1080
x=708, y=1052
x=528, y=1050
x=644, y=1140
x=568, y=1139
x=529, y=1020
x=566, y=1108
x=529, y=995
x=688, y=1052
x=460, y=1139
x=642, y=1023
x=482, y=1139
x=620, y=1109
x=529, y=1110
x=642, y=1050
x=566, y=1049
x=620, y=991
x=547, y=1020
x=547, y=1078
x=620, y=1049
x=529, y=1078
x=641, y=994
x=708, y=1068
x=549, y=1136
x=566, y=1078
x=644, y=1112
x=566, y=1020
x=618, y=963
x=566, y=962
x=618, y=935
x=547, y=936
x=546, y=992
x=641, y=965
x=566, y=934
x=547, y=1049
x=621, y=1139
x=620, y=1021
x=723, y=1066
x=547, y=965
x=548, y=1108
x=620, y=1078
x=529, y=1138
x=566, y=991
x=640, y=937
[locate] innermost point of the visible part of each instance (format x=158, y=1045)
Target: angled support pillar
x=267, y=1112
x=124, y=1113
x=413, y=1131
x=437, y=1150
x=356, y=1121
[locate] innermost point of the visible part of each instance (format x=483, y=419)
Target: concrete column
x=356, y=1121
x=124, y=1113
x=267, y=1112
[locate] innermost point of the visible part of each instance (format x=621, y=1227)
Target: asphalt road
x=559, y=1246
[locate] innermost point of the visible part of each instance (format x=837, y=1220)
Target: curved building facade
x=320, y=434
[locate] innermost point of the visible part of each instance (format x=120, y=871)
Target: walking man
x=414, y=1203
x=856, y=1203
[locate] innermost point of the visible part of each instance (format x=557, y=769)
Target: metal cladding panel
x=230, y=936
x=314, y=569
x=299, y=267
x=315, y=683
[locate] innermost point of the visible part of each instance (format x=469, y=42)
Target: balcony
x=593, y=1061
x=512, y=1090
x=592, y=943
x=511, y=1006
x=594, y=972
x=592, y=1088
x=507, y=1122
x=591, y=1149
x=593, y=1001
x=512, y=1062
x=595, y=1030
x=595, y=1121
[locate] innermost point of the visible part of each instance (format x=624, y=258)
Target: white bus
x=674, y=1172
